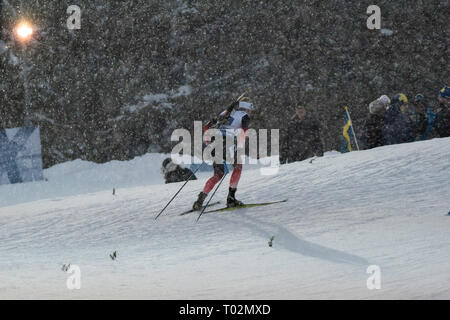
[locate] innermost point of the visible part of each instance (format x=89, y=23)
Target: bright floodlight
x=24, y=31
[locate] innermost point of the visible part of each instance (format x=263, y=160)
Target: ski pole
x=180, y=189
x=204, y=208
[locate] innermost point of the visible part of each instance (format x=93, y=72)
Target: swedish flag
x=347, y=134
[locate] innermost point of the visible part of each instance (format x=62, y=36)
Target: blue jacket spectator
x=397, y=126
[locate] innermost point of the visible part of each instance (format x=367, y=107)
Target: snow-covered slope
x=386, y=207
x=81, y=177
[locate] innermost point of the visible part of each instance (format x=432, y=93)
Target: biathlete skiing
x=232, y=125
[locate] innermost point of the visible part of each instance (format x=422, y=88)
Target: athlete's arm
x=243, y=134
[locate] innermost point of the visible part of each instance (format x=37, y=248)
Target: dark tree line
x=114, y=89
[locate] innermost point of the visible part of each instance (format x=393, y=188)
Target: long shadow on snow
x=293, y=243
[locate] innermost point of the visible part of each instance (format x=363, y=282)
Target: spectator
x=385, y=100
x=443, y=115
x=373, y=125
x=397, y=126
x=422, y=119
x=302, y=139
x=174, y=173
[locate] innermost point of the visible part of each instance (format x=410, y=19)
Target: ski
x=250, y=205
x=192, y=210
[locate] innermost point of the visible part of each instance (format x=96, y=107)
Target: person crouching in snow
x=174, y=173
x=231, y=125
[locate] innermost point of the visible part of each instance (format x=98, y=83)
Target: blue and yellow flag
x=347, y=134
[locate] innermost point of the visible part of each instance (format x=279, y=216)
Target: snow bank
x=81, y=177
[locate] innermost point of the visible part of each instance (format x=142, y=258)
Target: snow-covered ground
x=386, y=207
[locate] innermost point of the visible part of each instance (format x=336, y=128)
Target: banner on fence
x=20, y=155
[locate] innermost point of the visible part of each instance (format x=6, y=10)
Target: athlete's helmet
x=246, y=104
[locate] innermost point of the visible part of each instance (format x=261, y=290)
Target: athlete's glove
x=210, y=124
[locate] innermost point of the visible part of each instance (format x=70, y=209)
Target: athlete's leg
x=234, y=181
x=219, y=170
x=218, y=174
x=236, y=176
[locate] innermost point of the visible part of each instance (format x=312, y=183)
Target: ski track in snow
x=387, y=207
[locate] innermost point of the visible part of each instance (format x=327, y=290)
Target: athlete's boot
x=231, y=199
x=199, y=203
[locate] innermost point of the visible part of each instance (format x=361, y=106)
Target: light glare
x=24, y=31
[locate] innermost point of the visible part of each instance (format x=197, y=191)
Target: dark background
x=316, y=53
